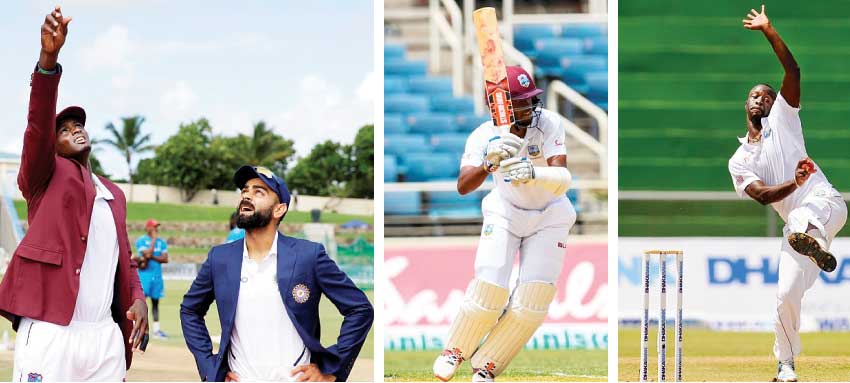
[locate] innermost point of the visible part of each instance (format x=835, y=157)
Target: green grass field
x=529, y=366
x=170, y=359
x=164, y=212
x=736, y=356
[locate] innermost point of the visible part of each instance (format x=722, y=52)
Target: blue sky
x=305, y=67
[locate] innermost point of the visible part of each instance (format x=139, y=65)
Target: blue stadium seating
x=394, y=124
x=430, y=123
x=448, y=142
x=467, y=122
x=553, y=51
x=403, y=144
x=584, y=30
x=430, y=85
x=452, y=205
x=405, y=103
x=403, y=203
x=395, y=84
x=452, y=104
x=394, y=51
x=596, y=46
x=574, y=70
x=404, y=67
x=597, y=83
x=431, y=166
x=526, y=35
x=390, y=169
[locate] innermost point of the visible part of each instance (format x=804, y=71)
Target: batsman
x=71, y=290
x=527, y=213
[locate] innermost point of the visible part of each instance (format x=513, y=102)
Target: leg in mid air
x=817, y=221
x=486, y=297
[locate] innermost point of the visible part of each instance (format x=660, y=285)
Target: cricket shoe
x=785, y=372
x=809, y=246
x=484, y=374
x=160, y=335
x=447, y=364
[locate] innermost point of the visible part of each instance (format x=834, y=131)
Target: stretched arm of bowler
x=791, y=82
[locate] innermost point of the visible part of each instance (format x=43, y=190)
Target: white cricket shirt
x=544, y=141
x=774, y=158
x=97, y=275
x=264, y=343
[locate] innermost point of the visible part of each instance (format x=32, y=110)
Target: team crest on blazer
x=300, y=293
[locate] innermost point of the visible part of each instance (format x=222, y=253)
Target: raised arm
x=791, y=82
x=37, y=159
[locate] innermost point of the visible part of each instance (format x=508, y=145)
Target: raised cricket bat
x=495, y=74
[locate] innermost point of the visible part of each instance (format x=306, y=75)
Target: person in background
x=152, y=252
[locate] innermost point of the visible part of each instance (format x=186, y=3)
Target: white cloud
x=179, y=99
x=110, y=50
x=367, y=88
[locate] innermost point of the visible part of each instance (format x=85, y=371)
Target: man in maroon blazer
x=71, y=290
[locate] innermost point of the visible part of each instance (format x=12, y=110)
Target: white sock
x=155, y=326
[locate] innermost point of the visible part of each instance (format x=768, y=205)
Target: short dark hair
x=772, y=89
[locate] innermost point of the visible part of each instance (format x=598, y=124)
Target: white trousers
x=81, y=351
x=540, y=237
x=826, y=211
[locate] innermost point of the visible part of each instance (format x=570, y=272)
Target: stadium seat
x=596, y=46
x=526, y=35
x=452, y=104
x=584, y=30
x=431, y=166
x=597, y=83
x=430, y=123
x=405, y=103
x=390, y=169
x=453, y=205
x=402, y=67
x=448, y=142
x=430, y=85
x=403, y=144
x=395, y=84
x=403, y=203
x=575, y=68
x=394, y=51
x=394, y=124
x=467, y=122
x=552, y=51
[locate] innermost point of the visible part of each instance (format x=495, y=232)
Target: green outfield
x=684, y=72
x=737, y=356
x=170, y=360
x=165, y=212
x=529, y=366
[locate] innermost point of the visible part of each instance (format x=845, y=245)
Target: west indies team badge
x=300, y=293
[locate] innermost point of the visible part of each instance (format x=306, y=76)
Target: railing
x=450, y=32
x=599, y=147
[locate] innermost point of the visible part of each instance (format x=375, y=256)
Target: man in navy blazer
x=267, y=288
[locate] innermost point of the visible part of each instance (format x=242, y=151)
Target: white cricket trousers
x=81, y=351
x=826, y=210
x=540, y=236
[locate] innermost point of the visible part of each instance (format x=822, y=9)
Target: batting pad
x=528, y=309
x=483, y=304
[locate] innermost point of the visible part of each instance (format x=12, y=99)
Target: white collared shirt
x=773, y=159
x=544, y=141
x=264, y=344
x=97, y=275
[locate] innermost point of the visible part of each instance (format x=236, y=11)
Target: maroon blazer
x=43, y=278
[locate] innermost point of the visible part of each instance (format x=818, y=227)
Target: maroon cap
x=521, y=84
x=75, y=112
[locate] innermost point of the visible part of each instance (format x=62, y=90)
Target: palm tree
x=129, y=141
x=264, y=147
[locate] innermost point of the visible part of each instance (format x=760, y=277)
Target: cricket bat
x=495, y=75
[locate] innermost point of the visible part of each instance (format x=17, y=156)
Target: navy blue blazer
x=299, y=262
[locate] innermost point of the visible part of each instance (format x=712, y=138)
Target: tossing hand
x=756, y=20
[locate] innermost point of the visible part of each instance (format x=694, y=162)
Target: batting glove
x=501, y=148
x=517, y=170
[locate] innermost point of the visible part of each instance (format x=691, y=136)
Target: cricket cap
x=74, y=112
x=248, y=172
x=521, y=83
x=151, y=223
